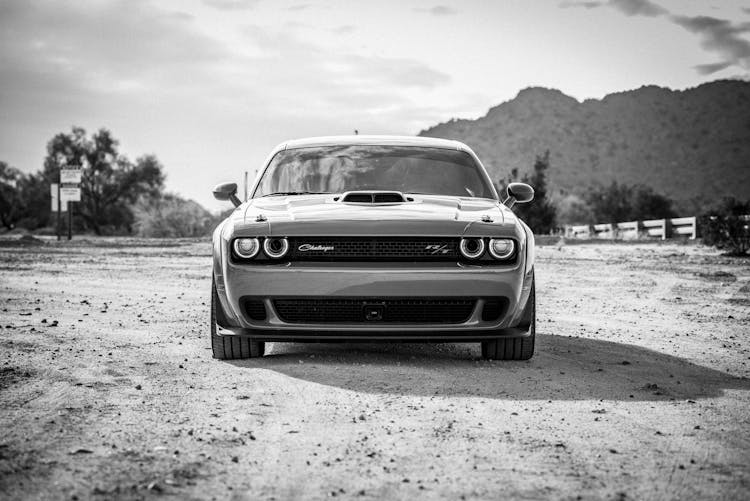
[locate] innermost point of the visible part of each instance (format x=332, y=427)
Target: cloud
x=717, y=35
x=299, y=6
x=720, y=36
x=585, y=5
x=638, y=8
x=627, y=7
x=438, y=10
x=345, y=29
x=231, y=4
x=332, y=68
x=113, y=47
x=707, y=69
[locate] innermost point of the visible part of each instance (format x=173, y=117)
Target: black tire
x=519, y=348
x=230, y=347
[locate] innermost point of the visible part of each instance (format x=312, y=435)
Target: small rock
x=80, y=450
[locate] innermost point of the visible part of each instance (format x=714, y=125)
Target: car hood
x=323, y=215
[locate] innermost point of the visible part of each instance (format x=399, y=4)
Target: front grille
x=355, y=310
x=374, y=249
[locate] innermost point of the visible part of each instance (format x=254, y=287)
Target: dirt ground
x=639, y=388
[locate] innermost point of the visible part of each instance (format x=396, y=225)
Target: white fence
x=656, y=228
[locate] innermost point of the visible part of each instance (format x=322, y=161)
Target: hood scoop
x=374, y=197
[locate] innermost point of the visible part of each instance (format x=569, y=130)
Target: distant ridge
x=690, y=145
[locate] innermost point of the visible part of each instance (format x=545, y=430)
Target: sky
x=211, y=86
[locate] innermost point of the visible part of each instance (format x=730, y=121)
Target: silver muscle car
x=373, y=238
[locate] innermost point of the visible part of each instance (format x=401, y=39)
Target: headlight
x=275, y=247
x=502, y=248
x=246, y=248
x=472, y=248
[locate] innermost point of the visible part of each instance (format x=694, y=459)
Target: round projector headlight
x=246, y=248
x=472, y=248
x=502, y=248
x=275, y=247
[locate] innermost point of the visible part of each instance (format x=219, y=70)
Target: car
x=373, y=238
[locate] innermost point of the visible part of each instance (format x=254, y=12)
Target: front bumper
x=373, y=280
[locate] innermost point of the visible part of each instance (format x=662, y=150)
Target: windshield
x=408, y=169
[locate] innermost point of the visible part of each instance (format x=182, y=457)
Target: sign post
x=68, y=190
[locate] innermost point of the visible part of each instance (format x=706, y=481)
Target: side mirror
x=519, y=193
x=227, y=191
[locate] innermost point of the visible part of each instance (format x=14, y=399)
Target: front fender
x=220, y=239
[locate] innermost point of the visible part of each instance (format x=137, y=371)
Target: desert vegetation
x=118, y=196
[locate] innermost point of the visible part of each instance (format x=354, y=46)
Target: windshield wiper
x=284, y=193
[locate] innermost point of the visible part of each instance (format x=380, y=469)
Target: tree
x=34, y=196
x=540, y=213
x=11, y=206
x=647, y=204
x=110, y=183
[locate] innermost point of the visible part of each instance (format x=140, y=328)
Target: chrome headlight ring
x=472, y=248
x=502, y=248
x=246, y=248
x=275, y=248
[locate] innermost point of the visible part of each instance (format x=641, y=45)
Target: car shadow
x=563, y=368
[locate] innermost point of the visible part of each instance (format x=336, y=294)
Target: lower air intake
x=255, y=309
x=373, y=310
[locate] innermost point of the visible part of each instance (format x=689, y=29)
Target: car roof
x=430, y=142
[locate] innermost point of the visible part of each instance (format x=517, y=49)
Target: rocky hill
x=691, y=145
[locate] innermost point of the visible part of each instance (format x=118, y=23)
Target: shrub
x=573, y=210
x=618, y=203
x=170, y=216
x=727, y=227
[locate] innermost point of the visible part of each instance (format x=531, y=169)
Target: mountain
x=691, y=145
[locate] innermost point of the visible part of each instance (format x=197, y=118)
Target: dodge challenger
x=363, y=238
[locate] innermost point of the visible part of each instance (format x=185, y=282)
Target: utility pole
x=245, y=200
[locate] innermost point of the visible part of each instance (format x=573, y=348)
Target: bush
x=727, y=227
x=573, y=210
x=170, y=216
x=619, y=203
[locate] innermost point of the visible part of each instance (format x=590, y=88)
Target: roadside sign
x=53, y=197
x=70, y=194
x=70, y=176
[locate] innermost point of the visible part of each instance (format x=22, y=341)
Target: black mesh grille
x=493, y=308
x=406, y=310
x=255, y=309
x=374, y=249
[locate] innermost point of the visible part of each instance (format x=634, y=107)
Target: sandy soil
x=638, y=389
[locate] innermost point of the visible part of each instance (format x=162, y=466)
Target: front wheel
x=230, y=347
x=519, y=348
